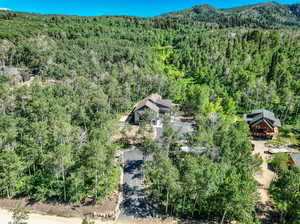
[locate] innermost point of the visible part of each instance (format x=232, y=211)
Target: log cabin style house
x=263, y=124
x=153, y=104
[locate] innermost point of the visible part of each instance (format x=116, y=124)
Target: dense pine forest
x=266, y=15
x=73, y=76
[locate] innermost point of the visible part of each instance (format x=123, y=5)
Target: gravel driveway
x=265, y=177
x=136, y=204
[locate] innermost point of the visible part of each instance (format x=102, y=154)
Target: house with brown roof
x=263, y=124
x=152, y=106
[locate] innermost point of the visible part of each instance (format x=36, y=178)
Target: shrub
x=280, y=162
x=19, y=216
x=87, y=221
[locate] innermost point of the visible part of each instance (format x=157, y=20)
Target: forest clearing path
x=265, y=176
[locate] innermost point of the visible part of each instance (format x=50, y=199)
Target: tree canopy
x=65, y=79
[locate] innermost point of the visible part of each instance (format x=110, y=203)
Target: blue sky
x=144, y=8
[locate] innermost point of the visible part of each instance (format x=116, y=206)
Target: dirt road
x=266, y=175
x=5, y=217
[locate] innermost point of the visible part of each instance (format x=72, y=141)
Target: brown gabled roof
x=152, y=101
x=166, y=103
x=148, y=104
x=154, y=97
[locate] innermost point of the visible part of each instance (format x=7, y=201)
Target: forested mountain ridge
x=264, y=15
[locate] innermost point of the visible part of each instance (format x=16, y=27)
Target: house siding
x=263, y=123
x=136, y=117
x=138, y=114
x=164, y=110
x=262, y=129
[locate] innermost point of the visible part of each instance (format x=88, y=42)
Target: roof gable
x=164, y=103
x=265, y=121
x=154, y=101
x=146, y=103
x=154, y=97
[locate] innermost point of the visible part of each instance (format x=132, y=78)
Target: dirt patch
x=5, y=217
x=265, y=176
x=164, y=221
x=265, y=211
x=132, y=134
x=149, y=221
x=103, y=208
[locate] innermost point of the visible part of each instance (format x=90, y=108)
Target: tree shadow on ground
x=266, y=213
x=295, y=146
x=136, y=203
x=131, y=166
x=260, y=138
x=184, y=221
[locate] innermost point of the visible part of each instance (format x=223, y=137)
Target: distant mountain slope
x=264, y=15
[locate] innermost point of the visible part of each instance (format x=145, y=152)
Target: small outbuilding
x=263, y=124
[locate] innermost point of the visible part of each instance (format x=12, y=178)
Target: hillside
x=264, y=15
